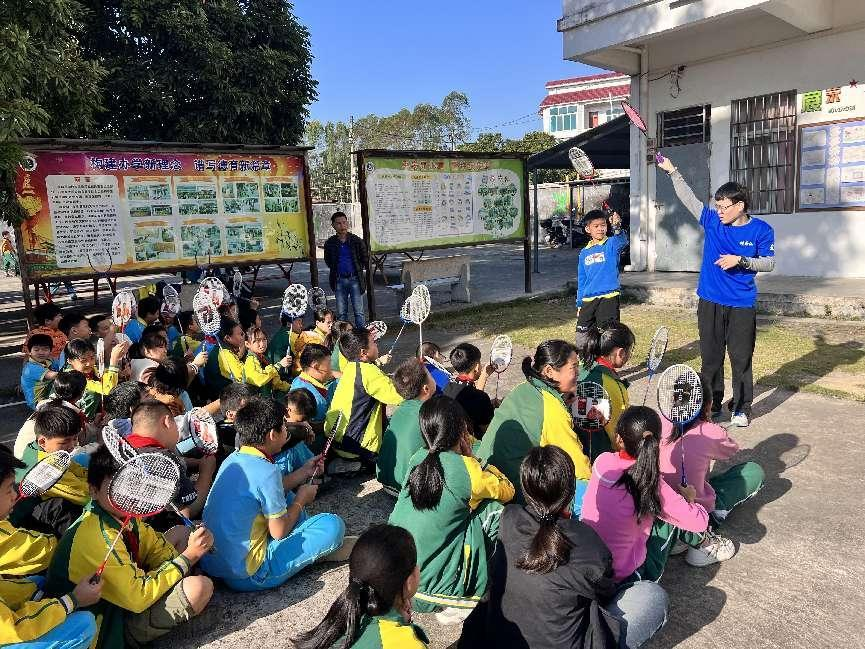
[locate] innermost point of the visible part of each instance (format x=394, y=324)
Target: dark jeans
x=733, y=330
x=348, y=289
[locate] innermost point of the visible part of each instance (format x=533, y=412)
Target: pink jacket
x=609, y=510
x=703, y=443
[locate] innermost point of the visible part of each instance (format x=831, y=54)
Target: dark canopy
x=607, y=145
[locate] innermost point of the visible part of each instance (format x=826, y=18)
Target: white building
x=578, y=104
x=761, y=92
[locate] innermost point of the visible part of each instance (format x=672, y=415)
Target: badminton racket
x=207, y=314
x=237, y=283
x=680, y=400
x=333, y=431
x=656, y=355
x=317, y=298
x=123, y=309
x=100, y=357
x=591, y=408
x=294, y=301
x=101, y=263
x=419, y=309
x=500, y=356
x=123, y=452
x=404, y=317
x=43, y=475
x=581, y=163
x=142, y=487
x=197, y=431
x=215, y=289
x=637, y=120
x=377, y=329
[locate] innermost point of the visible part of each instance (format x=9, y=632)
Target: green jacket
x=603, y=439
x=401, y=439
x=389, y=631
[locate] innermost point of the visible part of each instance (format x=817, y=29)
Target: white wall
x=824, y=244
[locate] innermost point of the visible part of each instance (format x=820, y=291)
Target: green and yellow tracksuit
x=360, y=396
x=533, y=414
x=129, y=583
x=280, y=343
x=263, y=375
x=603, y=440
x=222, y=367
x=453, y=539
x=337, y=360
x=72, y=485
x=96, y=389
x=305, y=338
x=21, y=619
x=23, y=552
x=389, y=631
x=401, y=440
x=184, y=344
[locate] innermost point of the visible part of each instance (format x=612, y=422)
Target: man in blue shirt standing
x=735, y=248
x=346, y=256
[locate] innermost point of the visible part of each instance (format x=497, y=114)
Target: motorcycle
x=556, y=231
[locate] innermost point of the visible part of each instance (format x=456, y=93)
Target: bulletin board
x=831, y=169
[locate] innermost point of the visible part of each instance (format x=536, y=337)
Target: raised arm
x=693, y=204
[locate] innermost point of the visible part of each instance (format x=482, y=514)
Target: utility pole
x=352, y=161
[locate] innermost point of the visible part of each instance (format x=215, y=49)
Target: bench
x=443, y=274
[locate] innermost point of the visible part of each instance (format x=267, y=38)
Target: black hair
x=69, y=320
x=153, y=336
x=735, y=192
x=54, y=420
x=594, y=215
x=409, y=378
x=39, y=340
x=381, y=562
x=547, y=479
x=602, y=340
x=169, y=377
x=442, y=422
x=640, y=430
x=303, y=401
x=353, y=342
x=226, y=328
x=337, y=329
x=429, y=349
x=149, y=414
x=251, y=332
x=45, y=312
x=256, y=419
x=312, y=353
x=247, y=318
x=336, y=215
x=8, y=463
x=233, y=396
x=184, y=318
x=78, y=348
x=554, y=353
x=464, y=357
x=148, y=306
x=94, y=320
x=122, y=400
x=102, y=467
x=69, y=385
x=321, y=314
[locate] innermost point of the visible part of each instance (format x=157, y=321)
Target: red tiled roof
x=590, y=94
x=591, y=77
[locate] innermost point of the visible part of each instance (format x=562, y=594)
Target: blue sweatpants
x=76, y=632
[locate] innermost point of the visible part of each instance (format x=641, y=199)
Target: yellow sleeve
x=300, y=342
x=398, y=636
x=255, y=374
x=23, y=552
x=618, y=404
x=558, y=430
x=230, y=366
x=487, y=483
x=72, y=486
x=154, y=548
x=104, y=385
x=124, y=584
x=31, y=620
x=379, y=385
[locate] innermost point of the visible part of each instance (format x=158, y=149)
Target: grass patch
x=792, y=354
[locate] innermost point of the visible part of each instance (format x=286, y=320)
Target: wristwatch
x=744, y=262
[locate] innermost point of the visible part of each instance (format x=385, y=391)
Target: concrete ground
x=795, y=582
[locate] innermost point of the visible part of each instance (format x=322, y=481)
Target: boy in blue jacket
x=598, y=272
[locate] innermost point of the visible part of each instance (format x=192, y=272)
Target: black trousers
x=597, y=312
x=733, y=330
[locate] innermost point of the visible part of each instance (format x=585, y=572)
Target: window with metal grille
x=690, y=125
x=763, y=150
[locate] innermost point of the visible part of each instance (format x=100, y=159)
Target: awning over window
x=607, y=145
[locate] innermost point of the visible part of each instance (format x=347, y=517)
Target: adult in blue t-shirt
x=736, y=246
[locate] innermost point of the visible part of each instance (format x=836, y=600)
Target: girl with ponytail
x=382, y=578
x=551, y=579
x=535, y=413
x=626, y=496
x=451, y=505
x=607, y=350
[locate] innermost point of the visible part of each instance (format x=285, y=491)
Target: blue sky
x=378, y=56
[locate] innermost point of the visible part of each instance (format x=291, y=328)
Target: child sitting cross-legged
x=282, y=342
x=39, y=370
x=452, y=506
x=402, y=437
x=57, y=429
x=433, y=351
x=316, y=376
x=268, y=377
x=337, y=360
x=81, y=356
x=318, y=334
x=262, y=533
x=299, y=410
x=187, y=344
x=374, y=611
x=232, y=398
x=41, y=622
x=47, y=316
x=467, y=388
x=146, y=587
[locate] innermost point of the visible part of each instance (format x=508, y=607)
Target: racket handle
x=659, y=158
x=95, y=579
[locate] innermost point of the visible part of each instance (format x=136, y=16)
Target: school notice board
x=422, y=202
x=139, y=211
x=832, y=165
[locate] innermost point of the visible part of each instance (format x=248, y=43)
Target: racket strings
x=657, y=349
x=501, y=352
x=206, y=313
x=588, y=395
x=44, y=474
x=680, y=394
x=145, y=485
x=317, y=298
x=377, y=329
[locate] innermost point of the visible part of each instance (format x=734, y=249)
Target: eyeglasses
x=723, y=208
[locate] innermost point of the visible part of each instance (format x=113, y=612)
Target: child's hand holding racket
x=118, y=352
x=199, y=543
x=200, y=359
x=88, y=591
x=306, y=494
x=286, y=360
x=667, y=165
x=688, y=492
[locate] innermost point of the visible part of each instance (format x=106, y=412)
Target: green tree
x=532, y=142
x=232, y=71
x=47, y=88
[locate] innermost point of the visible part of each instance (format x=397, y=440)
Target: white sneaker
x=739, y=419
x=452, y=615
x=679, y=548
x=713, y=550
